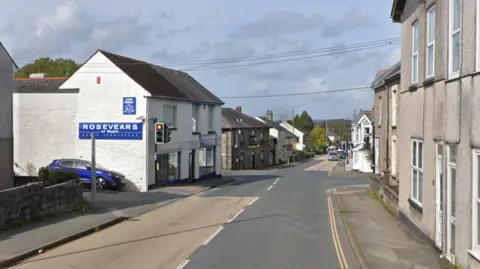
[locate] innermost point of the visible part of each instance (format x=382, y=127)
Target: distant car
x=342, y=154
x=105, y=178
x=332, y=156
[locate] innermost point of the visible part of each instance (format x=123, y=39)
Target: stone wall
x=33, y=201
x=389, y=194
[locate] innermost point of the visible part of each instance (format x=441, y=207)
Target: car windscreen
x=332, y=153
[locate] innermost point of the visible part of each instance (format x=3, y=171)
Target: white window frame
x=430, y=43
x=416, y=169
x=380, y=111
x=168, y=122
x=393, y=154
x=394, y=105
x=210, y=116
x=451, y=32
x=415, y=29
x=475, y=250
x=477, y=64
x=195, y=117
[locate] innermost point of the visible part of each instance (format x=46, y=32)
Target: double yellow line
x=336, y=238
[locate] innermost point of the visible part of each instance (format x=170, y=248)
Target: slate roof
x=290, y=122
x=8, y=54
x=42, y=85
x=330, y=133
x=277, y=126
x=367, y=113
x=163, y=82
x=385, y=75
x=232, y=119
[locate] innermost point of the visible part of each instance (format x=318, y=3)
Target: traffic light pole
x=93, y=181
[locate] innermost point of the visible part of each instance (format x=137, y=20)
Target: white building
x=283, y=136
x=362, y=129
x=122, y=97
x=7, y=87
x=301, y=135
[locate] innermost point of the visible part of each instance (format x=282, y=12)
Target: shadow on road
x=152, y=237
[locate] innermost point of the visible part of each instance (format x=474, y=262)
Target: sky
x=190, y=34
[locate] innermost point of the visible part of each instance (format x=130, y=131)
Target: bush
x=53, y=177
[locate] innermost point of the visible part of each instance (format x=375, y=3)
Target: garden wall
x=33, y=201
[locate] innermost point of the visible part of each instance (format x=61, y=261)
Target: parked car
x=342, y=154
x=105, y=178
x=332, y=156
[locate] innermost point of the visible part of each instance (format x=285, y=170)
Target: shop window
x=168, y=166
x=206, y=157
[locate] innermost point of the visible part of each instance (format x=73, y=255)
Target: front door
x=439, y=197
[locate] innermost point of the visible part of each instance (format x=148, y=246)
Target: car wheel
x=101, y=183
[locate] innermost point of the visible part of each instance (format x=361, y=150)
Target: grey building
x=386, y=87
x=438, y=125
x=246, y=143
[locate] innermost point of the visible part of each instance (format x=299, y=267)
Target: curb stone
x=357, y=252
x=17, y=259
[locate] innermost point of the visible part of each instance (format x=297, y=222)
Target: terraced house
x=7, y=87
x=439, y=124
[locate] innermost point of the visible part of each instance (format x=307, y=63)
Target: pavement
x=381, y=240
x=111, y=208
x=277, y=219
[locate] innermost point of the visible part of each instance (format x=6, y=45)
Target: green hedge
x=53, y=177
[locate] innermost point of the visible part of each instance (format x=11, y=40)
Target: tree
x=51, y=68
x=304, y=121
x=316, y=138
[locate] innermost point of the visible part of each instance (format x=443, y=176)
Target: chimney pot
x=269, y=115
x=239, y=109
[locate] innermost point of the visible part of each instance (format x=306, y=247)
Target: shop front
x=167, y=167
x=206, y=155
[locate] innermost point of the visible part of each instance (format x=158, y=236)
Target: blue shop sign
x=209, y=140
x=110, y=130
x=129, y=105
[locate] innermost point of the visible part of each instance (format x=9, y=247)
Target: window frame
x=475, y=249
x=477, y=37
x=415, y=29
x=432, y=42
x=195, y=117
x=416, y=169
x=451, y=73
x=393, y=102
x=174, y=116
x=210, y=116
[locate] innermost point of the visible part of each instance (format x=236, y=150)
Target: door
x=451, y=186
x=377, y=155
x=439, y=197
x=82, y=171
x=191, y=163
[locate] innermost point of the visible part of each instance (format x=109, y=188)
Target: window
x=194, y=118
x=451, y=197
x=476, y=202
x=206, y=159
x=170, y=115
x=415, y=53
x=210, y=118
x=379, y=110
x=394, y=105
x=394, y=156
x=454, y=51
x=430, y=68
x=478, y=35
x=357, y=134
x=416, y=194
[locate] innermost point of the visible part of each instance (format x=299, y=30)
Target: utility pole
x=294, y=135
x=326, y=135
x=93, y=181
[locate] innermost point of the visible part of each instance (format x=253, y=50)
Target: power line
x=296, y=94
x=389, y=41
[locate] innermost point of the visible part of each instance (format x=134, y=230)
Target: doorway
x=191, y=170
x=439, y=196
x=253, y=160
x=451, y=186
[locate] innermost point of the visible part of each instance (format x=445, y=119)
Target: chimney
x=37, y=75
x=269, y=115
x=239, y=109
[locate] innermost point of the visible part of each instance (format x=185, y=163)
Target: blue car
x=106, y=179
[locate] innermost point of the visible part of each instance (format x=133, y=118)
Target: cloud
x=353, y=19
x=279, y=23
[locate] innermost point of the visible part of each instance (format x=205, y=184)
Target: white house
x=362, y=129
x=7, y=87
x=284, y=137
x=120, y=99
x=301, y=135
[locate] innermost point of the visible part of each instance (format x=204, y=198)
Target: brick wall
x=33, y=201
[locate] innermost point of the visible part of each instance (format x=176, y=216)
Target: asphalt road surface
x=267, y=220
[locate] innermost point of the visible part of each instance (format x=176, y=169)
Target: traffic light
x=167, y=133
x=159, y=132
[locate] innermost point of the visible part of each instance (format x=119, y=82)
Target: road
x=275, y=219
